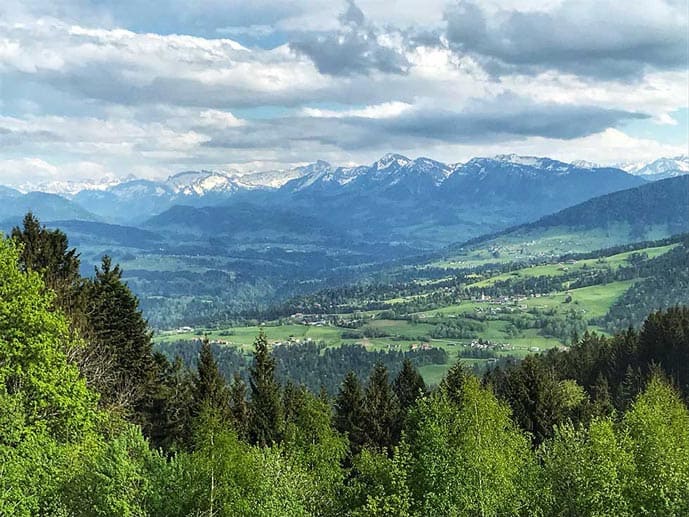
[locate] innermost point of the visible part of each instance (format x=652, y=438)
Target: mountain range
x=205, y=242
x=420, y=201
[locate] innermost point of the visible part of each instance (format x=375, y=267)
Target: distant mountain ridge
x=421, y=201
x=478, y=196
x=659, y=169
x=657, y=209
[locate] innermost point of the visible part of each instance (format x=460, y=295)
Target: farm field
x=468, y=324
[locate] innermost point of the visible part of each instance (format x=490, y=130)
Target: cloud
x=358, y=47
x=89, y=82
x=125, y=67
x=601, y=39
x=503, y=118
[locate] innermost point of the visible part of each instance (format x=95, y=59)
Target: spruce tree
x=380, y=409
x=118, y=334
x=266, y=420
x=408, y=385
x=47, y=252
x=452, y=384
x=210, y=388
x=349, y=412
x=239, y=408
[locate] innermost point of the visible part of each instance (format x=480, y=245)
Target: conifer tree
x=239, y=408
x=349, y=412
x=210, y=388
x=117, y=331
x=452, y=384
x=408, y=385
x=266, y=420
x=380, y=409
x=47, y=252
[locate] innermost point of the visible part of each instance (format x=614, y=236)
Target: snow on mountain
x=514, y=164
x=69, y=188
x=660, y=168
x=201, y=183
x=391, y=160
x=585, y=164
x=277, y=178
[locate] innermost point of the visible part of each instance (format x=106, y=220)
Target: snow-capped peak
x=529, y=161
x=391, y=159
x=72, y=187
x=584, y=164
x=199, y=183
x=660, y=168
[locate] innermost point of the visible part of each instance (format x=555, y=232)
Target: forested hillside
x=93, y=422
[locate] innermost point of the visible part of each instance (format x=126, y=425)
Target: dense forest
x=94, y=422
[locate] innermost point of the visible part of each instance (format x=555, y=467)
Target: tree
x=380, y=410
x=453, y=382
x=35, y=376
x=408, y=385
x=349, y=412
x=468, y=458
x=536, y=397
x=170, y=424
x=210, y=388
x=265, y=427
x=119, y=334
x=47, y=252
x=239, y=409
x=45, y=407
x=664, y=340
x=658, y=428
x=587, y=471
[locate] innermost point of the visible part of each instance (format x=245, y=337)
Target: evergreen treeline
x=667, y=286
x=314, y=365
x=94, y=423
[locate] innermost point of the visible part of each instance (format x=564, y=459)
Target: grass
x=612, y=262
x=592, y=302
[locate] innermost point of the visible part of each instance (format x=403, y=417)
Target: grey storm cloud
x=353, y=49
x=604, y=39
x=503, y=118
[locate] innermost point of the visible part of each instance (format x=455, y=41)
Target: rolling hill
x=652, y=211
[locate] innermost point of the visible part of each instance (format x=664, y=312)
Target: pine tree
x=210, y=388
x=452, y=384
x=265, y=427
x=239, y=409
x=118, y=334
x=177, y=407
x=408, y=385
x=47, y=252
x=349, y=412
x=380, y=409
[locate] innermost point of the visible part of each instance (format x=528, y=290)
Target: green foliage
x=658, y=427
x=34, y=372
x=408, y=385
x=265, y=427
x=47, y=252
x=210, y=388
x=224, y=476
x=380, y=410
x=468, y=460
x=380, y=486
x=112, y=478
x=118, y=334
x=349, y=412
x=239, y=408
x=587, y=471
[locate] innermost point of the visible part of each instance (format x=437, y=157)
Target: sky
x=106, y=88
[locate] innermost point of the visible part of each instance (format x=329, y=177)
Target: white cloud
x=384, y=110
x=87, y=90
